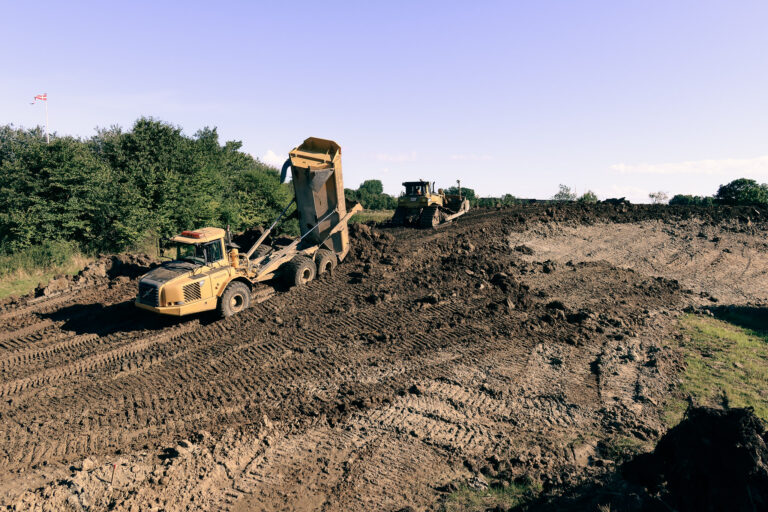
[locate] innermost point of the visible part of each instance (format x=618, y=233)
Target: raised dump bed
x=319, y=187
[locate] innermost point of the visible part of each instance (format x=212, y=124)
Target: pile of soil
x=736, y=218
x=104, y=269
x=713, y=460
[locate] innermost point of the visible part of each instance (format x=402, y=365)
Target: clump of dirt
x=713, y=460
x=104, y=269
x=370, y=244
x=247, y=238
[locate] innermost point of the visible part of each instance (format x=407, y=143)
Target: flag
x=43, y=97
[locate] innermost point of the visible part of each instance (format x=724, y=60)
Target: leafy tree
x=465, y=192
x=112, y=191
x=588, y=197
x=371, y=195
x=683, y=200
x=373, y=187
x=743, y=191
x=564, y=194
x=658, y=197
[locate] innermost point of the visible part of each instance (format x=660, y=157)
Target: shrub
x=688, y=200
x=743, y=191
x=114, y=190
x=588, y=197
x=564, y=194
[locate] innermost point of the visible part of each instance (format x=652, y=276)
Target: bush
x=117, y=189
x=371, y=195
x=588, y=197
x=743, y=191
x=658, y=197
x=688, y=200
x=564, y=194
x=45, y=255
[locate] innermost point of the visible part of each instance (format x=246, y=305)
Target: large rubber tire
x=398, y=218
x=299, y=271
x=430, y=217
x=325, y=261
x=235, y=298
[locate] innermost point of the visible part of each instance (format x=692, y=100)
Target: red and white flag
x=43, y=97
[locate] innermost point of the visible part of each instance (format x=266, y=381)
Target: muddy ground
x=512, y=346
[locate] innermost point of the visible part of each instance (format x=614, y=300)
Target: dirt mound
x=104, y=269
x=731, y=218
x=713, y=460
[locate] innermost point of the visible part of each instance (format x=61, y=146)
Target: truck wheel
x=325, y=261
x=235, y=298
x=299, y=271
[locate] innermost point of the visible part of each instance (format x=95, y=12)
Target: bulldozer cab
x=417, y=188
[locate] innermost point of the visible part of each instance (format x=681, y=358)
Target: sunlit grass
x=722, y=360
x=372, y=215
x=22, y=281
x=467, y=499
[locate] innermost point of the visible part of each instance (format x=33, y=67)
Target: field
x=502, y=360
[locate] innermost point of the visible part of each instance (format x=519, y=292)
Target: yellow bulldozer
x=209, y=272
x=421, y=206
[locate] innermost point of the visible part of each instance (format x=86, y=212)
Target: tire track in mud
x=210, y=368
x=87, y=364
x=335, y=372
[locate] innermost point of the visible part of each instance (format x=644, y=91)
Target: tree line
x=119, y=189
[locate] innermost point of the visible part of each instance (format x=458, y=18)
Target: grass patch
x=372, y=215
x=22, y=271
x=467, y=499
x=622, y=448
x=722, y=360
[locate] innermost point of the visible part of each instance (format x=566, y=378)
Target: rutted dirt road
x=513, y=344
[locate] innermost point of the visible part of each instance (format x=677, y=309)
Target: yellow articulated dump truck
x=210, y=273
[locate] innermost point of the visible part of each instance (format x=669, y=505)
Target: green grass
x=372, y=215
x=623, y=448
x=723, y=359
x=22, y=271
x=466, y=499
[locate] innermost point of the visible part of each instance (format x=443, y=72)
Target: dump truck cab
x=194, y=280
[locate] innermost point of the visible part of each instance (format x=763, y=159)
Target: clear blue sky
x=621, y=97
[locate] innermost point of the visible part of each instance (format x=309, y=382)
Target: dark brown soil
x=426, y=359
x=715, y=459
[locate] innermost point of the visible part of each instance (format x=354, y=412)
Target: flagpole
x=47, y=137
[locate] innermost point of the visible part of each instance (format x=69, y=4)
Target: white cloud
x=472, y=157
x=272, y=158
x=396, y=157
x=724, y=167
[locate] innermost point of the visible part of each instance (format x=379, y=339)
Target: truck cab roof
x=201, y=235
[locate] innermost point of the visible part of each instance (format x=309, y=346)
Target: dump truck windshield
x=192, y=253
x=199, y=253
x=415, y=189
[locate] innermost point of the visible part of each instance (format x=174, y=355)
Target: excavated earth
x=511, y=346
